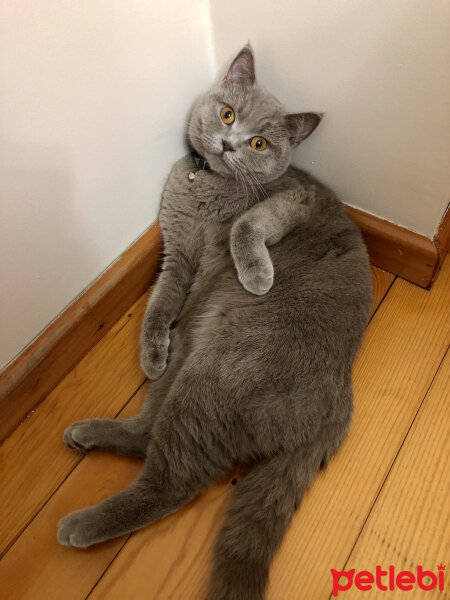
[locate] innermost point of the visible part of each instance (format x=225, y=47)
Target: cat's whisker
x=251, y=176
x=258, y=184
x=250, y=183
x=200, y=138
x=191, y=123
x=205, y=139
x=236, y=178
x=245, y=175
x=194, y=136
x=244, y=184
x=241, y=182
x=235, y=165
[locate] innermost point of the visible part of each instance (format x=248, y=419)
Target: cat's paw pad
x=257, y=277
x=154, y=355
x=76, y=529
x=78, y=437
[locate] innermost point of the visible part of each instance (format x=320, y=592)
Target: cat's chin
x=217, y=164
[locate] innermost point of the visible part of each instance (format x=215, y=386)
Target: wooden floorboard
x=49, y=567
x=409, y=524
x=34, y=460
x=382, y=281
x=171, y=558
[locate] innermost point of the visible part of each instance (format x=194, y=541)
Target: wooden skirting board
x=43, y=364
x=405, y=253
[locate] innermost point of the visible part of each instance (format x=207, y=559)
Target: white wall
x=94, y=96
x=380, y=70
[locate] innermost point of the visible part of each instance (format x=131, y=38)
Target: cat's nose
x=227, y=147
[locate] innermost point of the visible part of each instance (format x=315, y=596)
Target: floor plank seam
x=82, y=457
x=109, y=565
x=372, y=506
x=383, y=298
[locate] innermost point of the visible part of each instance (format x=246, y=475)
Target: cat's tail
x=261, y=509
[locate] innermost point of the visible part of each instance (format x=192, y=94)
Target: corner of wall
x=208, y=21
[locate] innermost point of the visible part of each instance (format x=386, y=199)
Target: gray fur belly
x=274, y=338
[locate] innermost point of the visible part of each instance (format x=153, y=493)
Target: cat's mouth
x=230, y=161
x=207, y=146
x=218, y=161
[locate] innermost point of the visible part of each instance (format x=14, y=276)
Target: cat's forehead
x=249, y=103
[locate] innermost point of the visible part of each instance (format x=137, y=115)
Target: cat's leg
x=251, y=257
x=261, y=509
x=128, y=437
x=167, y=298
x=179, y=465
x=265, y=224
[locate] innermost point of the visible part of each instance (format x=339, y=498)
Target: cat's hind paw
x=77, y=437
x=76, y=529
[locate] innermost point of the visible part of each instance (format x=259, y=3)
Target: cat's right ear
x=242, y=69
x=301, y=125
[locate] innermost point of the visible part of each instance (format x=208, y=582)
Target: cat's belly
x=216, y=292
x=224, y=323
x=317, y=307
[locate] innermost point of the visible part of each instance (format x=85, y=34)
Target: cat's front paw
x=79, y=529
x=154, y=354
x=257, y=276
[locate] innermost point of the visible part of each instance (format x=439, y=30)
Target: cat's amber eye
x=227, y=115
x=258, y=143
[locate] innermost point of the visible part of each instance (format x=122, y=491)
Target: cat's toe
x=154, y=371
x=258, y=281
x=73, y=530
x=77, y=438
x=260, y=285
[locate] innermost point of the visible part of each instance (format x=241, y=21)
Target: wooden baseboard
x=442, y=238
x=33, y=375
x=43, y=364
x=405, y=253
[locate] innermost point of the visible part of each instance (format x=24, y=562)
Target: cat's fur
x=260, y=351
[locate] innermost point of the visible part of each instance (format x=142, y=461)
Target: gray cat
x=252, y=351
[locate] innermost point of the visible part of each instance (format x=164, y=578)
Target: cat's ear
x=300, y=126
x=242, y=69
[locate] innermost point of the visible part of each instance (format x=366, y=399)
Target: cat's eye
x=258, y=143
x=227, y=115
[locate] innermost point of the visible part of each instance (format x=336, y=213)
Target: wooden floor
x=384, y=499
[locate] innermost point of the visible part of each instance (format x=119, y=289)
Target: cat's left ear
x=300, y=126
x=242, y=69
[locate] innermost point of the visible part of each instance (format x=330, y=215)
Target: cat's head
x=239, y=127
